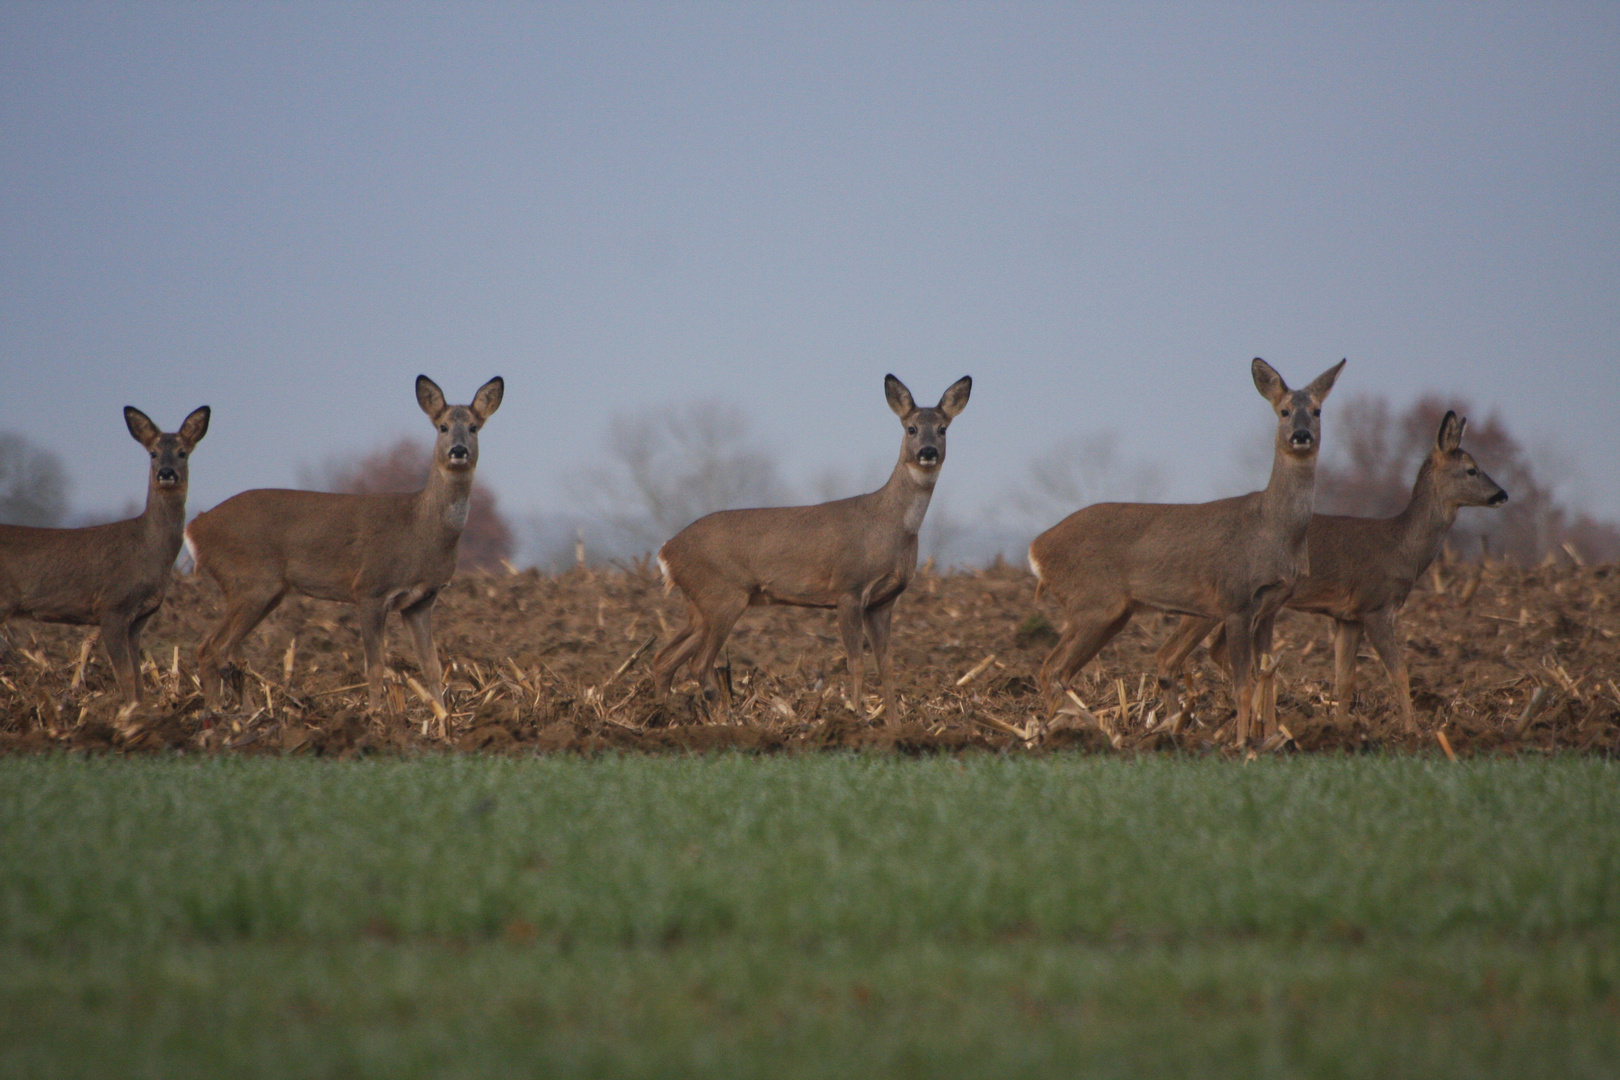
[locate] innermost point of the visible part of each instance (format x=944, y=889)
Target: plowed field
x=549, y=664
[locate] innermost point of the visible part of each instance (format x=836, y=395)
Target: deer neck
x=1421, y=527
x=907, y=494
x=163, y=521
x=1291, y=492
x=441, y=506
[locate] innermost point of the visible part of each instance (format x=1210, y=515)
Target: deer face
x=1299, y=412
x=456, y=449
x=170, y=454
x=923, y=450
x=1459, y=478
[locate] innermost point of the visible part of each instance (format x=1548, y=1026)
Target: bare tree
x=1369, y=466
x=667, y=467
x=33, y=484
x=1079, y=471
x=403, y=466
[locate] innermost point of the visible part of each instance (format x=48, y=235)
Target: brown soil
x=534, y=665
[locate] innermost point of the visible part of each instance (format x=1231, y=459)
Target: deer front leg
x=850, y=629
x=1381, y=632
x=877, y=632
x=1240, y=650
x=1173, y=654
x=115, y=637
x=419, y=619
x=1346, y=641
x=373, y=623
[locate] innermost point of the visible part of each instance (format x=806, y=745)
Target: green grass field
x=809, y=916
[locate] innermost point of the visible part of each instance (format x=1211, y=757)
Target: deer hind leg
x=1084, y=635
x=1346, y=641
x=877, y=632
x=679, y=650
x=1381, y=632
x=418, y=618
x=717, y=626
x=243, y=611
x=1172, y=655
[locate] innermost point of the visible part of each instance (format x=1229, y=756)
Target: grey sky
x=1100, y=212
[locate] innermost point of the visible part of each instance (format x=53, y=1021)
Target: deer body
x=1363, y=569
x=853, y=555
x=380, y=552
x=112, y=576
x=1234, y=560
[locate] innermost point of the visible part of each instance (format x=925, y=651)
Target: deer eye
x=444, y=427
x=1284, y=413
x=1473, y=472
x=472, y=428
x=180, y=454
x=1316, y=412
x=911, y=429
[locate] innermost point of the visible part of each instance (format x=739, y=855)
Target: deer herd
x=1226, y=567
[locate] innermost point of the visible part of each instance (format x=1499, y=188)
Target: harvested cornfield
x=1504, y=659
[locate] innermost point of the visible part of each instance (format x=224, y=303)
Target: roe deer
x=1362, y=570
x=854, y=555
x=113, y=576
x=382, y=553
x=1233, y=559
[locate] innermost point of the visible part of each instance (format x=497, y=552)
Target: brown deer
x=111, y=576
x=1362, y=570
x=382, y=553
x=854, y=555
x=1233, y=559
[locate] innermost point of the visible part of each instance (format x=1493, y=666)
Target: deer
x=113, y=576
x=380, y=552
x=855, y=556
x=1363, y=569
x=1234, y=560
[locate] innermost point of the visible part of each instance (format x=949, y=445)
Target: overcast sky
x=1100, y=212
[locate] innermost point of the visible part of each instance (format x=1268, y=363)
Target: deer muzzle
x=167, y=478
x=1498, y=499
x=928, y=455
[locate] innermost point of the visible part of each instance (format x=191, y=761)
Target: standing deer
x=382, y=553
x=1362, y=570
x=1233, y=559
x=112, y=576
x=855, y=555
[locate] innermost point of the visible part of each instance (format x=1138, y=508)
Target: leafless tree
x=667, y=467
x=1079, y=471
x=33, y=484
x=1369, y=465
x=403, y=466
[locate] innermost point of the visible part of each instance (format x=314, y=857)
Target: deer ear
x=195, y=426
x=1267, y=381
x=1450, y=437
x=1324, y=382
x=429, y=396
x=488, y=398
x=899, y=397
x=955, y=398
x=140, y=425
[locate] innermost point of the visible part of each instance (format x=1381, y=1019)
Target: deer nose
x=928, y=455
x=458, y=453
x=168, y=476
x=1498, y=499
x=1301, y=438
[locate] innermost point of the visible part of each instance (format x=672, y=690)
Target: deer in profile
x=1234, y=560
x=1363, y=569
x=111, y=576
x=381, y=552
x=853, y=555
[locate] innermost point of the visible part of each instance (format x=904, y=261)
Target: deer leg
x=1240, y=644
x=1381, y=632
x=850, y=629
x=678, y=651
x=717, y=628
x=1082, y=639
x=1174, y=652
x=877, y=632
x=115, y=637
x=243, y=611
x=418, y=618
x=1346, y=640
x=373, y=625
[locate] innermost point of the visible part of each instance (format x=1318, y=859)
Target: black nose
x=458, y=453
x=1301, y=438
x=168, y=476
x=1498, y=499
x=928, y=454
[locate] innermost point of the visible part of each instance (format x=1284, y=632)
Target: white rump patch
x=1034, y=566
x=663, y=568
x=191, y=547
